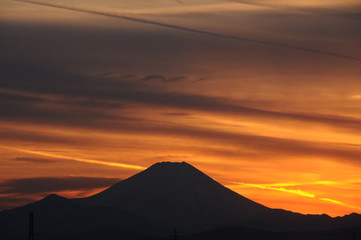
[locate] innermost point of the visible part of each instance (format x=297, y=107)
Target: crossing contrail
x=198, y=31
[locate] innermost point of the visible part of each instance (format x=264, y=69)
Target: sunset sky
x=262, y=96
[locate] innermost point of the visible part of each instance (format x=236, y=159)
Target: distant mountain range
x=166, y=201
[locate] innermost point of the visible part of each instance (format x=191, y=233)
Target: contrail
x=193, y=30
x=77, y=159
x=327, y=12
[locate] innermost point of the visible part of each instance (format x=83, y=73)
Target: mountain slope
x=178, y=195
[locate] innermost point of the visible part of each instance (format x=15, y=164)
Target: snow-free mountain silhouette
x=164, y=197
x=177, y=195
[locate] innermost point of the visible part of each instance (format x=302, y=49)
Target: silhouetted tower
x=354, y=234
x=175, y=234
x=31, y=225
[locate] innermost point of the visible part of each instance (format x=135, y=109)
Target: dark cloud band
x=72, y=90
x=53, y=184
x=198, y=31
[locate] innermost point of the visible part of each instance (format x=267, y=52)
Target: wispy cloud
x=321, y=182
x=339, y=203
x=281, y=189
x=84, y=160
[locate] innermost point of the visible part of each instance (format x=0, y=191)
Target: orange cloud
x=339, y=203
x=303, y=193
x=113, y=164
x=281, y=189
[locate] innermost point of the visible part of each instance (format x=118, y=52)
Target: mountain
x=165, y=197
x=57, y=218
x=177, y=195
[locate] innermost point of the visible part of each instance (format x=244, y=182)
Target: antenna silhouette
x=31, y=225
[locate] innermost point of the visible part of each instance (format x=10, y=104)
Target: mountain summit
x=178, y=195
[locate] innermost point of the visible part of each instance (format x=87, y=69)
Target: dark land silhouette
x=169, y=201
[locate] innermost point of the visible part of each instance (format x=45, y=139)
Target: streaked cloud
x=339, y=203
x=92, y=161
x=282, y=189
